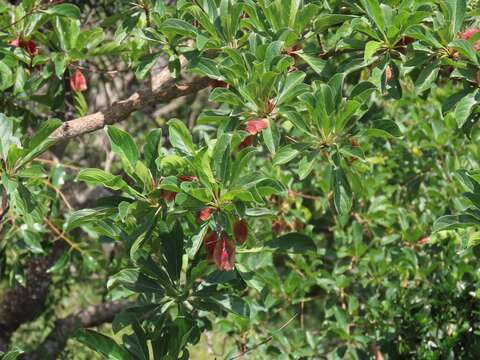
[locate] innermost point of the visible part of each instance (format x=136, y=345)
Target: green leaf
x=448, y=222
x=134, y=280
x=123, y=145
x=81, y=107
x=13, y=354
x=326, y=21
x=101, y=344
x=306, y=165
x=60, y=263
x=151, y=150
x=173, y=244
x=85, y=216
x=20, y=80
x=374, y=12
x=274, y=49
x=271, y=137
x=232, y=304
x=6, y=76
x=226, y=96
x=206, y=67
x=455, y=11
x=221, y=156
x=285, y=154
x=178, y=27
x=342, y=195
x=180, y=137
x=68, y=10
x=145, y=64
x=385, y=129
x=464, y=108
x=7, y=138
x=466, y=49
x=39, y=142
x=257, y=212
x=426, y=77
x=291, y=82
x=100, y=177
x=314, y=62
x=295, y=243
x=370, y=49
x=136, y=342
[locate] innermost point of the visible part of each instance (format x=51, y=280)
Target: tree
x=283, y=177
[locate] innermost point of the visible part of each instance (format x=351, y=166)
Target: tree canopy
x=225, y=179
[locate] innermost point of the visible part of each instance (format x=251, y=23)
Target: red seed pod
x=204, y=214
x=354, y=142
x=210, y=241
x=168, y=196
x=388, y=73
x=248, y=141
x=224, y=254
x=78, y=81
x=256, y=126
x=240, y=231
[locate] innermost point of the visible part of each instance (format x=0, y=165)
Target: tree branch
x=93, y=315
x=22, y=304
x=163, y=89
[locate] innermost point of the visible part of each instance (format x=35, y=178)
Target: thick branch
x=162, y=90
x=93, y=315
x=22, y=304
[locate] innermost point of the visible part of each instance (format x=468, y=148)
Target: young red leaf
x=388, y=73
x=248, y=141
x=167, y=195
x=224, y=254
x=78, y=81
x=16, y=42
x=257, y=125
x=210, y=241
x=467, y=34
x=30, y=47
x=240, y=231
x=204, y=214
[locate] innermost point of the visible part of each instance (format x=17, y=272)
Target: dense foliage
x=277, y=179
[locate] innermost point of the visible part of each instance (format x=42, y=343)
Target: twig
x=62, y=236
x=268, y=339
x=59, y=193
x=30, y=13
x=307, y=196
x=52, y=162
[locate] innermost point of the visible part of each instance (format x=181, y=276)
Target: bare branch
x=93, y=315
x=263, y=342
x=163, y=89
